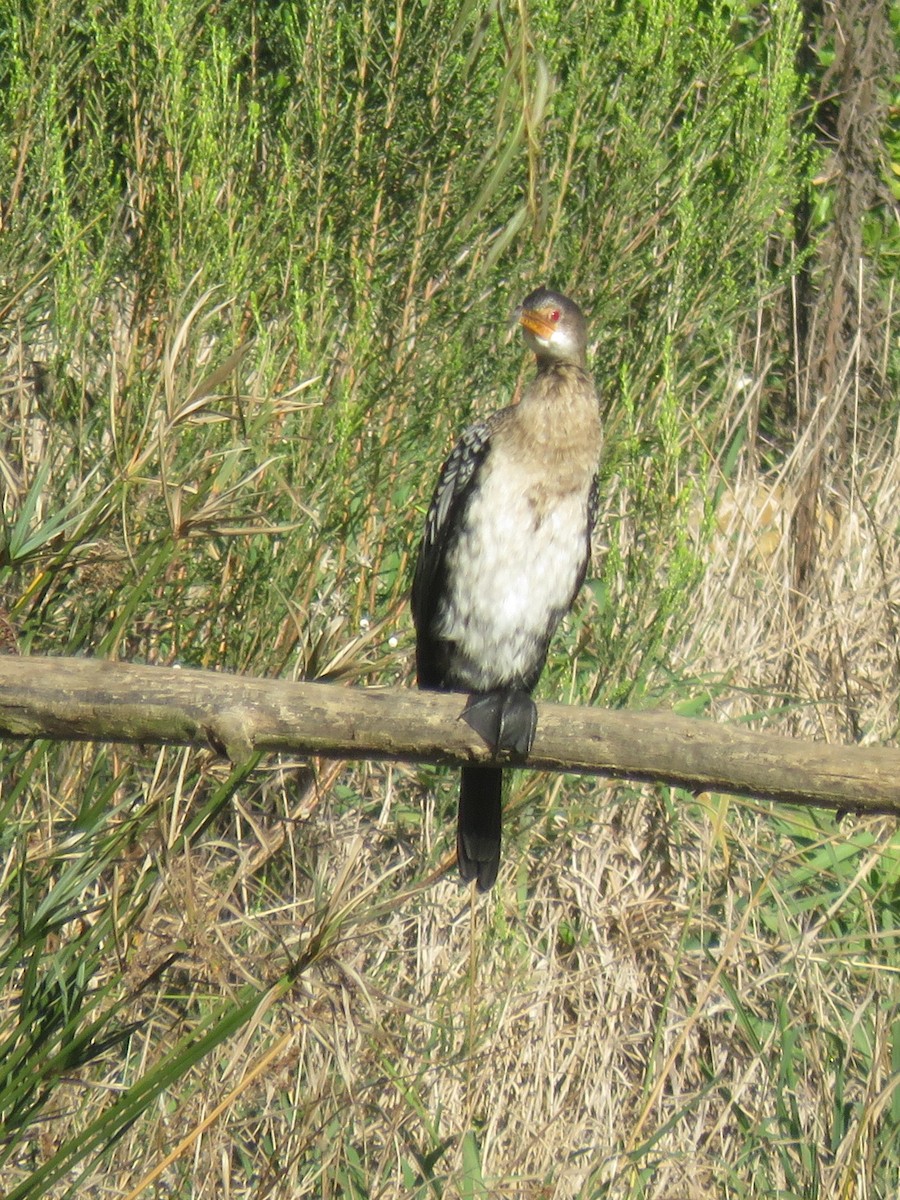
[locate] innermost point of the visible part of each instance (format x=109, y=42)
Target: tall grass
x=257, y=262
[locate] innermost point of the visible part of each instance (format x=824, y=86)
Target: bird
x=504, y=552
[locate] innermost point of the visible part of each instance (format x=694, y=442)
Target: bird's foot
x=507, y=720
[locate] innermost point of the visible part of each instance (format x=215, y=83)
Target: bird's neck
x=558, y=419
x=559, y=391
x=549, y=363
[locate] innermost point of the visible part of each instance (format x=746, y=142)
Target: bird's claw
x=507, y=720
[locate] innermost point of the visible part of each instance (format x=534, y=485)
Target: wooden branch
x=95, y=700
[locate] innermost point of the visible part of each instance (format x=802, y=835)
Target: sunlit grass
x=257, y=266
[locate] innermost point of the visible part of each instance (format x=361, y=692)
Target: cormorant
x=505, y=550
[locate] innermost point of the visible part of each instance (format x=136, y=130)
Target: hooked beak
x=535, y=322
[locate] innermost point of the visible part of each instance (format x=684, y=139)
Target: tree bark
x=95, y=700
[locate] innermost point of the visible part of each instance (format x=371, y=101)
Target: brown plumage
x=505, y=551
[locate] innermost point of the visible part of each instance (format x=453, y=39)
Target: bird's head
x=554, y=326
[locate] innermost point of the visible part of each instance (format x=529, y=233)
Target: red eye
x=555, y=315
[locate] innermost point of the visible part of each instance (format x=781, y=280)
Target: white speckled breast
x=512, y=573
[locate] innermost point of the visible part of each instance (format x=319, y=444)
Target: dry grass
x=839, y=658
x=676, y=988
x=666, y=996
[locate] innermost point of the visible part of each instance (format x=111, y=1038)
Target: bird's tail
x=478, y=828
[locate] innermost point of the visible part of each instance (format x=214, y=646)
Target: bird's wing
x=592, y=506
x=450, y=493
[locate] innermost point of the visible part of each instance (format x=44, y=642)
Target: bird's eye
x=555, y=315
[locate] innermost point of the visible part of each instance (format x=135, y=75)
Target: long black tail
x=478, y=828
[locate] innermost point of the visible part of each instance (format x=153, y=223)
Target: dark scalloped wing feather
x=452, y=487
x=592, y=506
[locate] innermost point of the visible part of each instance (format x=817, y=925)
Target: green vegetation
x=255, y=267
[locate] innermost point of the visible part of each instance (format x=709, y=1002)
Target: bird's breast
x=512, y=572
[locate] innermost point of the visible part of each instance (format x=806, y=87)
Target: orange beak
x=535, y=322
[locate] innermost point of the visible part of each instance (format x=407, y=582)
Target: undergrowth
x=257, y=263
